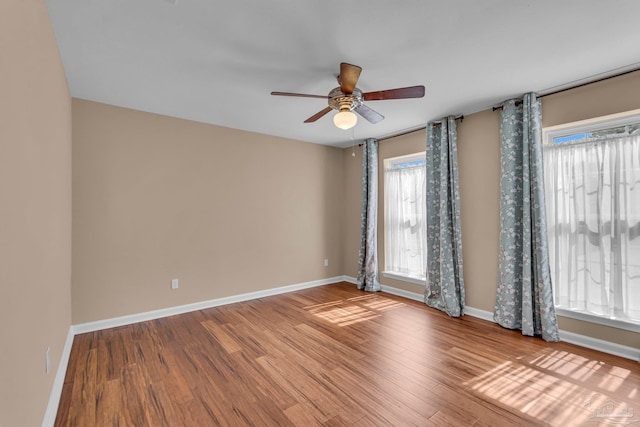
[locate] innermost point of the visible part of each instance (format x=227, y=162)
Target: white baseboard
x=402, y=293
x=390, y=290
x=601, y=345
x=350, y=279
x=480, y=314
x=56, y=390
x=570, y=337
x=180, y=309
x=54, y=399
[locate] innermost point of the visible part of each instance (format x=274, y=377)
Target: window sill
x=403, y=278
x=585, y=317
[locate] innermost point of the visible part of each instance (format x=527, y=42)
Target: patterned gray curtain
x=445, y=283
x=368, y=259
x=524, y=297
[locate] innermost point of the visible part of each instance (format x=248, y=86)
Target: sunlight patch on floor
x=376, y=302
x=343, y=314
x=527, y=386
x=353, y=310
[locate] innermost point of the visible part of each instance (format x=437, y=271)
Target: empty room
x=340, y=213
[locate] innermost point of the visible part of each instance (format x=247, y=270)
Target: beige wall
x=224, y=211
x=352, y=161
x=479, y=167
x=611, y=96
x=35, y=210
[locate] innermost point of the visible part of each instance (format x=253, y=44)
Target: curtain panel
x=524, y=298
x=445, y=281
x=368, y=256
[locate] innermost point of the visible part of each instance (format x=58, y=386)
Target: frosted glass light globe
x=345, y=120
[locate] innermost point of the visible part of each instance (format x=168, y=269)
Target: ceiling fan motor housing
x=338, y=100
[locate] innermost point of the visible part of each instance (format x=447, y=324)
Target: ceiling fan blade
x=301, y=95
x=318, y=115
x=400, y=93
x=349, y=75
x=371, y=115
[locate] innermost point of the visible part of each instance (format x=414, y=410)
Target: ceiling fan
x=347, y=98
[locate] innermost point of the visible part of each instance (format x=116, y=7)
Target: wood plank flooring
x=336, y=356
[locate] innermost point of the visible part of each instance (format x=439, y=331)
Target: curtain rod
x=460, y=117
x=499, y=107
x=401, y=133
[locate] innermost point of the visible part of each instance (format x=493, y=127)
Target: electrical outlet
x=326, y=263
x=174, y=283
x=47, y=360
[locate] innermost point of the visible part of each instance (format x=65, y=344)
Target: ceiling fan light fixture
x=345, y=119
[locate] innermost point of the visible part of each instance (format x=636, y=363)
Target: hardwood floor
x=336, y=356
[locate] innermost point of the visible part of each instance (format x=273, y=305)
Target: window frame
x=590, y=125
x=390, y=163
x=584, y=126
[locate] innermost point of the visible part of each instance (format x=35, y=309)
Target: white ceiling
x=217, y=61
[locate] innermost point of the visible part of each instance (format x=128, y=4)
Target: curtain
x=593, y=205
x=368, y=256
x=405, y=216
x=524, y=298
x=445, y=284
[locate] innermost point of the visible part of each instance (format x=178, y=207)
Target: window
x=405, y=217
x=592, y=185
